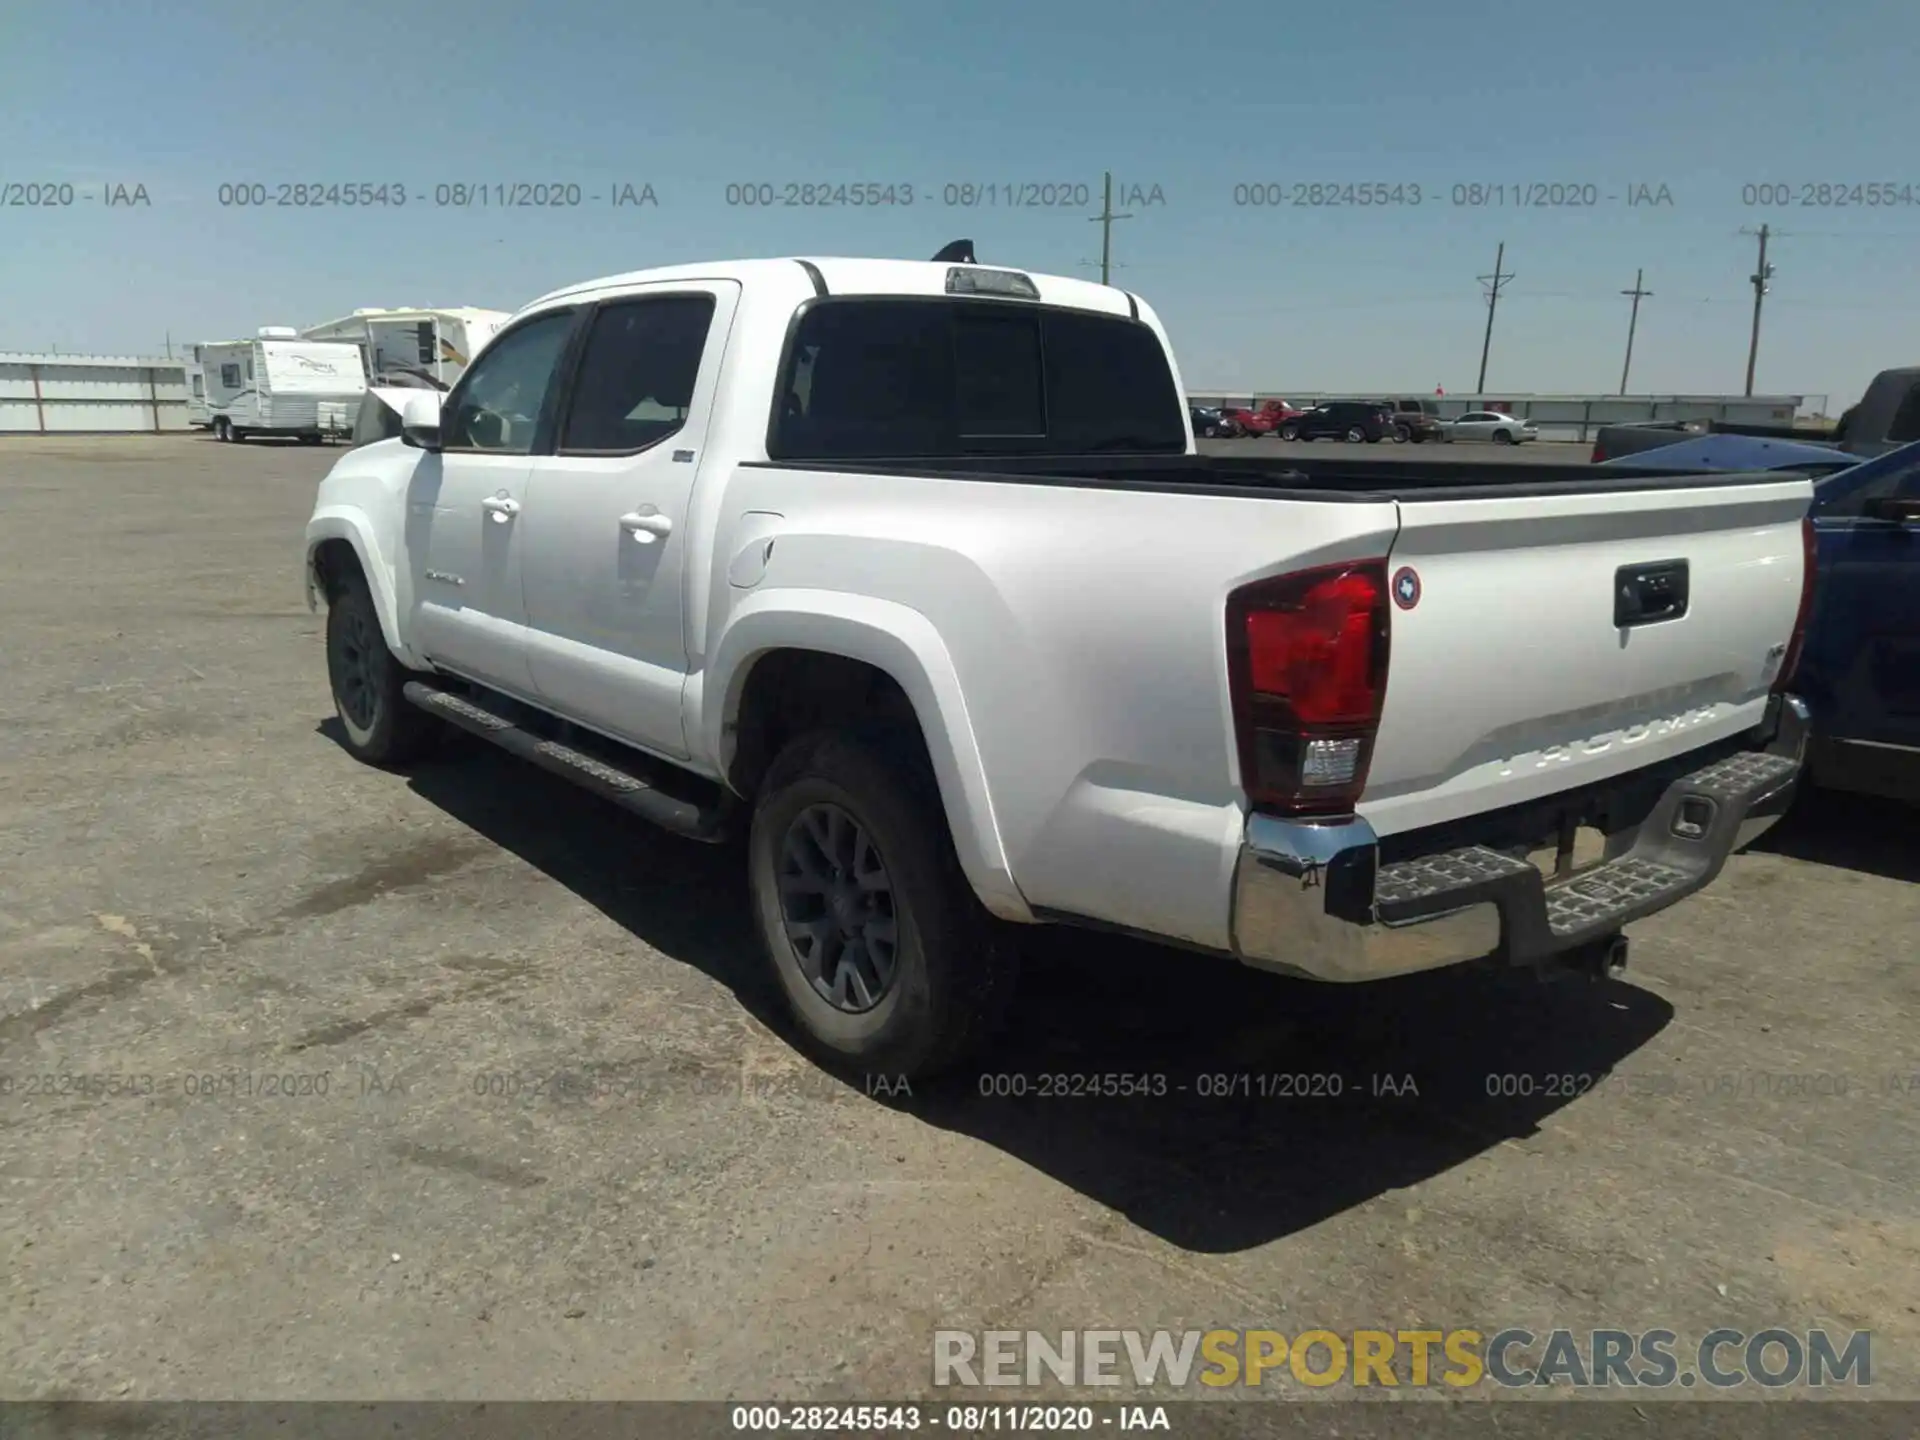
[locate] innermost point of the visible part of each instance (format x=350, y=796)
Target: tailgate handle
x=1645, y=594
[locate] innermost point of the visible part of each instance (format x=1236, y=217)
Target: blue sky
x=1703, y=98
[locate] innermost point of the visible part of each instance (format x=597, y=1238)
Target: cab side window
x=637, y=373
x=1906, y=420
x=497, y=405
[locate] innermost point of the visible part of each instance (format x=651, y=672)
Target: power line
x=1494, y=281
x=1105, y=220
x=1633, y=322
x=1763, y=272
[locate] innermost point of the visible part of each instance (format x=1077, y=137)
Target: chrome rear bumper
x=1312, y=897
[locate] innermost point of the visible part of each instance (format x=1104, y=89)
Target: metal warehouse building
x=81, y=394
x=1560, y=417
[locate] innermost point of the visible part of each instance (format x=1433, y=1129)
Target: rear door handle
x=502, y=507
x=646, y=526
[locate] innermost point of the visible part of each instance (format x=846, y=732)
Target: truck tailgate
x=1513, y=676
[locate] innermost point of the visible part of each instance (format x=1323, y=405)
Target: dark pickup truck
x=1887, y=417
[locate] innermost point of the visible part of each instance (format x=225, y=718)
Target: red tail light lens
x=1307, y=665
x=1810, y=550
x=1599, y=454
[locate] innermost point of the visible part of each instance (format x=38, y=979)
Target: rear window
x=866, y=379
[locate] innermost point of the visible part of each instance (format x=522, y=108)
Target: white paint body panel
x=1063, y=645
x=1508, y=680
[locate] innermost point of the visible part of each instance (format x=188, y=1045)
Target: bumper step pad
x=1681, y=846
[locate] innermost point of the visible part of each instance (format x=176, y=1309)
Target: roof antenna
x=960, y=252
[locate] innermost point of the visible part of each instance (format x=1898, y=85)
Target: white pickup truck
x=908, y=573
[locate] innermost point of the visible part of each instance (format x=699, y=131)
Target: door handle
x=645, y=527
x=1647, y=594
x=502, y=507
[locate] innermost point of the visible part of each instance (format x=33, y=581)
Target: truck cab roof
x=843, y=276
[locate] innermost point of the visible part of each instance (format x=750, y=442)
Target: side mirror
x=420, y=421
x=1900, y=509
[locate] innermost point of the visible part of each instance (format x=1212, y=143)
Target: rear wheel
x=222, y=431
x=1401, y=435
x=1355, y=435
x=1289, y=432
x=381, y=727
x=1503, y=437
x=887, y=959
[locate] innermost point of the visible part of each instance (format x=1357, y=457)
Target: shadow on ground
x=1262, y=1105
x=1854, y=832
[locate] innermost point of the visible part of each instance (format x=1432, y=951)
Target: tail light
x=1599, y=454
x=1810, y=549
x=1307, y=671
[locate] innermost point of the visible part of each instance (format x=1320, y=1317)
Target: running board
x=630, y=792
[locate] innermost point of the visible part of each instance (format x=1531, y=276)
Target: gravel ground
x=462, y=1084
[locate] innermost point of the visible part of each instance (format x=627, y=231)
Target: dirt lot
x=563, y=1150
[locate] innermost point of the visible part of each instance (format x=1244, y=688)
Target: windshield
x=866, y=379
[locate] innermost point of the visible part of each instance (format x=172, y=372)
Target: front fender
x=904, y=644
x=349, y=523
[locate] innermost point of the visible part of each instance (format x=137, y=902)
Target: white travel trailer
x=417, y=343
x=280, y=384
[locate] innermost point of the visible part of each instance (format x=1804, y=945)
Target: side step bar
x=630, y=792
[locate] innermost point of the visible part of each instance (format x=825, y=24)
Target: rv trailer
x=199, y=414
x=280, y=384
x=415, y=343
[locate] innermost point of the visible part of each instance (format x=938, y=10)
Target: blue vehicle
x=1737, y=452
x=1860, y=668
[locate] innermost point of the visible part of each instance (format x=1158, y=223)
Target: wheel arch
x=337, y=542
x=872, y=659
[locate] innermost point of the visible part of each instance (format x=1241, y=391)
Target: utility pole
x=1633, y=322
x=1494, y=282
x=1761, y=275
x=1105, y=220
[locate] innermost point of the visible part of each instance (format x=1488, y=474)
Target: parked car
x=1264, y=419
x=1495, y=425
x=1353, y=420
x=801, y=551
x=1417, y=421
x=1210, y=424
x=1886, y=418
x=1736, y=452
x=1860, y=672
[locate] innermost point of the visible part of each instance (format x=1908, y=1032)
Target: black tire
x=1289, y=432
x=1355, y=435
x=1212, y=432
x=381, y=728
x=311, y=438
x=1503, y=437
x=952, y=973
x=222, y=431
x=1401, y=434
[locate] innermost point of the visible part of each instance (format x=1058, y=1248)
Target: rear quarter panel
x=1083, y=631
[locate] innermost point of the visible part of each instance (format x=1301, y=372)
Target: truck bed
x=1362, y=478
